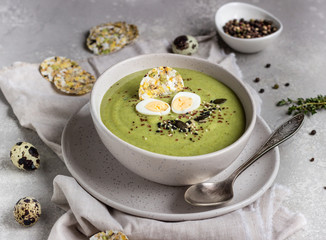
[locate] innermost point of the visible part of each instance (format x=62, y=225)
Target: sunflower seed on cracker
x=109, y=235
x=53, y=65
x=109, y=37
x=74, y=81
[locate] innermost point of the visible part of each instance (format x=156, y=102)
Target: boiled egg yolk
x=184, y=102
x=153, y=107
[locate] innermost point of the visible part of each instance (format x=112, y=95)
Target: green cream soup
x=225, y=124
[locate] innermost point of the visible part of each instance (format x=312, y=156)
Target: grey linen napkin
x=39, y=106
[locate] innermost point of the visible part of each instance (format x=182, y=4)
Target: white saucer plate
x=101, y=175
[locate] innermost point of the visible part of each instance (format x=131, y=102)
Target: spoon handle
x=281, y=134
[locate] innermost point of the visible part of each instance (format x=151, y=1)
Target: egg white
x=141, y=107
x=195, y=102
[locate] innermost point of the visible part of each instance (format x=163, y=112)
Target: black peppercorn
x=254, y=28
x=257, y=79
x=313, y=132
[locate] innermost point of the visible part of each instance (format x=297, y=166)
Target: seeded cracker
x=160, y=81
x=109, y=235
x=110, y=37
x=74, y=81
x=53, y=65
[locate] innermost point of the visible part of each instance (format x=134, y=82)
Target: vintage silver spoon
x=210, y=194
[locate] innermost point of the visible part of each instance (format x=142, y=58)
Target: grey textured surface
x=33, y=30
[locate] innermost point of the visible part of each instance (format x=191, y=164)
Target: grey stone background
x=31, y=31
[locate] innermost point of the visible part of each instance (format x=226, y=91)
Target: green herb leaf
x=304, y=105
x=281, y=103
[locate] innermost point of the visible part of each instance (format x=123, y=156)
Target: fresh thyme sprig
x=307, y=106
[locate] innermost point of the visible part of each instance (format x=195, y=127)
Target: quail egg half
x=152, y=106
x=184, y=102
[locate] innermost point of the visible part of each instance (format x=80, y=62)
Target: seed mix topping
x=191, y=126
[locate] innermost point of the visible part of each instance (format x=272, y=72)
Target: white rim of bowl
x=247, y=131
x=220, y=26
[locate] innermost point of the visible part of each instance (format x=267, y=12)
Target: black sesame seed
x=268, y=65
x=205, y=113
x=261, y=90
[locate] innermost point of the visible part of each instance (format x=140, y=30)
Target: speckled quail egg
x=109, y=235
x=185, y=45
x=25, y=156
x=184, y=102
x=152, y=106
x=27, y=211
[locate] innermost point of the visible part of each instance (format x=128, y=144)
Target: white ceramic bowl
x=170, y=170
x=237, y=10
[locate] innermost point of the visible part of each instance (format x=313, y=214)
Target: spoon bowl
x=207, y=193
x=211, y=194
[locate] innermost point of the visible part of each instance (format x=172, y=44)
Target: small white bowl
x=237, y=10
x=164, y=169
